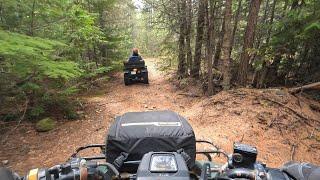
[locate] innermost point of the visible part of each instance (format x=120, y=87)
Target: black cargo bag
x=137, y=133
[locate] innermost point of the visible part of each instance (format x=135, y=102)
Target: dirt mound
x=283, y=127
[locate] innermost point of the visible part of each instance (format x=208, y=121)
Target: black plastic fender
x=127, y=72
x=7, y=174
x=144, y=70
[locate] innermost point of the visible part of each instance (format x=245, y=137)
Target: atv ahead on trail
x=135, y=72
x=161, y=145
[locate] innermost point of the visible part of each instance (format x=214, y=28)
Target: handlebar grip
x=37, y=174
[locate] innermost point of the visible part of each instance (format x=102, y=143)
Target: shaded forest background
x=52, y=50
x=236, y=43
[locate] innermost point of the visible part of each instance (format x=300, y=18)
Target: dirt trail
x=28, y=149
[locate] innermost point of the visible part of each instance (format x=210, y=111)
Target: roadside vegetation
x=52, y=50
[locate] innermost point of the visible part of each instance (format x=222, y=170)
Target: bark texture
x=182, y=36
x=199, y=39
x=226, y=45
x=248, y=41
x=189, y=35
x=210, y=42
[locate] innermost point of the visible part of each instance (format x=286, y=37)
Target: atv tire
x=127, y=81
x=145, y=78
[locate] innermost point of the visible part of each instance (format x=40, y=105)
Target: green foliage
x=45, y=125
x=69, y=43
x=25, y=55
x=33, y=68
x=117, y=66
x=69, y=91
x=148, y=36
x=168, y=52
x=98, y=71
x=296, y=43
x=35, y=112
x=81, y=31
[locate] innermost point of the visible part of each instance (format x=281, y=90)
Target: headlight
x=163, y=163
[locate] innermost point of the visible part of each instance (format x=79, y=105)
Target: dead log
x=305, y=87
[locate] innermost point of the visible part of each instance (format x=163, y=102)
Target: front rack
x=206, y=153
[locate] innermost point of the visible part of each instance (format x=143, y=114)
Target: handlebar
x=96, y=173
x=241, y=173
x=87, y=168
x=76, y=169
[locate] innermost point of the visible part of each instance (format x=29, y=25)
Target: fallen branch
x=306, y=119
x=293, y=151
x=305, y=87
x=189, y=94
x=19, y=122
x=274, y=119
x=315, y=146
x=242, y=137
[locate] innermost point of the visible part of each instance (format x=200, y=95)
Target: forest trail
x=224, y=118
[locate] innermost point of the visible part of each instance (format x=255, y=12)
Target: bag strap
x=118, y=162
x=185, y=156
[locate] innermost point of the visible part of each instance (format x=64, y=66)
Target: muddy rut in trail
x=239, y=115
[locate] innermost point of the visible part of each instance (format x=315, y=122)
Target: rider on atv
x=135, y=69
x=135, y=56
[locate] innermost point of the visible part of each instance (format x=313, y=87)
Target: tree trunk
x=226, y=45
x=1, y=15
x=182, y=31
x=31, y=31
x=271, y=21
x=102, y=46
x=88, y=6
x=218, y=47
x=295, y=4
x=199, y=39
x=235, y=25
x=263, y=73
x=248, y=41
x=285, y=7
x=263, y=21
x=188, y=35
x=261, y=32
x=210, y=39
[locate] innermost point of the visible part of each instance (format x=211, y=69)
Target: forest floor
x=280, y=125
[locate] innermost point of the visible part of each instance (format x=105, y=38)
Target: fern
x=24, y=55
